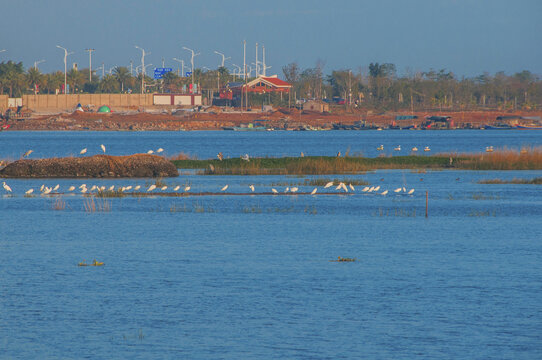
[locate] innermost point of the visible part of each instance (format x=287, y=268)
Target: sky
x=467, y=37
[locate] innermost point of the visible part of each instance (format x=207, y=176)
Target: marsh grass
x=110, y=194
x=397, y=212
x=99, y=205
x=59, y=204
x=480, y=196
x=182, y=156
x=504, y=159
x=535, y=181
x=482, y=213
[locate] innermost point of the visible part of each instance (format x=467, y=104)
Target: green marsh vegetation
x=504, y=159
x=535, y=181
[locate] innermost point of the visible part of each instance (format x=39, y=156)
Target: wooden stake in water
x=426, y=202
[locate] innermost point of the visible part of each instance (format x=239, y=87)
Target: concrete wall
x=4, y=102
x=69, y=102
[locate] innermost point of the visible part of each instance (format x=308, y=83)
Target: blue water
x=250, y=277
x=206, y=144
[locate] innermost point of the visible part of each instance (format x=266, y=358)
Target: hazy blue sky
x=467, y=37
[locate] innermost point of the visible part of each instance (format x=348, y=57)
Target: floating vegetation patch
x=535, y=181
x=344, y=259
x=481, y=196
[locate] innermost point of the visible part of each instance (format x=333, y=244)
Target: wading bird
x=251, y=188
x=56, y=187
x=128, y=187
x=294, y=189
x=29, y=191
x=351, y=187
x=384, y=192
x=398, y=148
x=426, y=148
x=245, y=157
x=137, y=187
x=329, y=184
x=103, y=148
x=150, y=152
x=111, y=188
x=414, y=149
x=176, y=188
x=28, y=153
x=71, y=188
x=163, y=188
x=6, y=187
x=187, y=188
x=84, y=151
x=410, y=192
x=224, y=188
x=274, y=191
x=397, y=190
x=376, y=188
x=151, y=188
x=380, y=148
x=159, y=150
x=287, y=189
x=365, y=189
x=314, y=191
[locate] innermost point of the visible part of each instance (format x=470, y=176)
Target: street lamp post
x=90, y=63
x=192, y=61
x=224, y=58
x=142, y=67
x=182, y=65
x=36, y=63
x=65, y=66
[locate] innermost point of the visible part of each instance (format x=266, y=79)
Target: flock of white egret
x=398, y=148
x=84, y=189
x=102, y=147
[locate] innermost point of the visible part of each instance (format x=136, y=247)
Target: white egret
x=414, y=149
x=274, y=191
x=287, y=189
x=371, y=189
x=111, y=188
x=314, y=191
x=329, y=184
x=47, y=191
x=344, y=187
x=380, y=148
x=84, y=190
x=384, y=192
x=410, y=192
x=176, y=188
x=159, y=150
x=122, y=189
x=71, y=188
x=251, y=188
x=93, y=187
x=365, y=189
x=6, y=187
x=245, y=157
x=150, y=152
x=187, y=188
x=404, y=189
x=56, y=187
x=42, y=186
x=163, y=188
x=29, y=191
x=28, y=153
x=151, y=188
x=82, y=186
x=376, y=188
x=103, y=147
x=351, y=187
x=338, y=186
x=294, y=189
x=102, y=188
x=83, y=151
x=427, y=148
x=137, y=187
x=397, y=190
x=398, y=148
x=224, y=188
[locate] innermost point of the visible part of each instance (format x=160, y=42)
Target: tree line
x=378, y=86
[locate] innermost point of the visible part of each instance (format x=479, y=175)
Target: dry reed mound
x=98, y=166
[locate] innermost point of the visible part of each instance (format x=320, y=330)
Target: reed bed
x=59, y=204
x=500, y=159
x=535, y=181
x=100, y=205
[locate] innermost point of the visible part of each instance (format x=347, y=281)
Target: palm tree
x=35, y=78
x=75, y=78
x=108, y=84
x=122, y=75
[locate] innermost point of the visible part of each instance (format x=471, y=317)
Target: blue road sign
x=159, y=72
x=188, y=73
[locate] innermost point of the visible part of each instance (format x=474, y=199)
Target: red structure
x=263, y=85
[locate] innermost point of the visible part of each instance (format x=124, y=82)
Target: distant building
x=262, y=85
x=315, y=105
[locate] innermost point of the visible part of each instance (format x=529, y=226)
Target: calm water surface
x=232, y=277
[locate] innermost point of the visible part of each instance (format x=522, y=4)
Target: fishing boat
x=498, y=127
x=528, y=127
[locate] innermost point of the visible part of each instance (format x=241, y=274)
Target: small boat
x=529, y=127
x=498, y=127
x=94, y=263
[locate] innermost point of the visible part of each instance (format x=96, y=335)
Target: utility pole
x=263, y=55
x=142, y=68
x=256, y=59
x=192, y=61
x=131, y=67
x=244, y=59
x=90, y=63
x=65, y=66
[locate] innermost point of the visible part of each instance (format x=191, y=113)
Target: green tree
x=122, y=75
